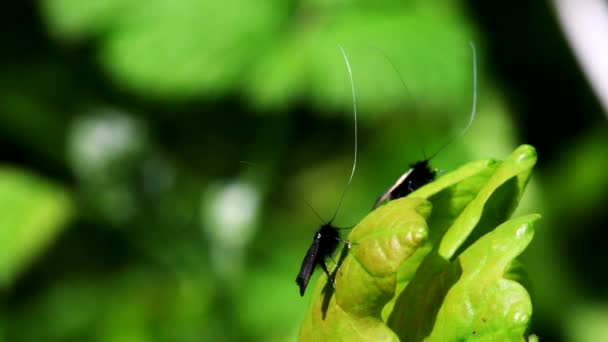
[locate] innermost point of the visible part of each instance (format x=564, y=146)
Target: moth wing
x=308, y=265
x=388, y=193
x=385, y=196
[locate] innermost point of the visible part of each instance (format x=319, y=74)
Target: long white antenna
x=352, y=173
x=414, y=105
x=474, y=106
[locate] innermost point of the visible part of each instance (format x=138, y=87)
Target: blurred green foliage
x=274, y=52
x=33, y=212
x=127, y=215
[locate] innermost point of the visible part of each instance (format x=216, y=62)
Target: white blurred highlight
x=99, y=139
x=585, y=24
x=230, y=213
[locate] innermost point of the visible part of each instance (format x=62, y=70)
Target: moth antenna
x=247, y=163
x=314, y=211
x=473, y=108
x=257, y=166
x=390, y=61
x=424, y=154
x=352, y=173
x=415, y=111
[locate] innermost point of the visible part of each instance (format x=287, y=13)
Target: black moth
x=327, y=238
x=420, y=173
x=324, y=244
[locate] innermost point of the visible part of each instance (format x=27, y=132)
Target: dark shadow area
x=539, y=73
x=496, y=211
x=328, y=289
x=444, y=209
x=589, y=231
x=443, y=214
x=418, y=305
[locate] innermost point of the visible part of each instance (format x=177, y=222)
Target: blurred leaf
x=33, y=211
x=277, y=51
x=261, y=308
x=172, y=48
x=306, y=60
x=392, y=244
x=137, y=304
x=589, y=322
x=73, y=20
x=586, y=159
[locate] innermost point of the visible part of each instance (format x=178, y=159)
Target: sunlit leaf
x=482, y=303
x=389, y=290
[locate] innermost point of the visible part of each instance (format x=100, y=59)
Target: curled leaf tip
x=524, y=152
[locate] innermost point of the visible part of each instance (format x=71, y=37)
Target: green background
x=157, y=156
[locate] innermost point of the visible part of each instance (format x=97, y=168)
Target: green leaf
x=463, y=210
x=496, y=200
x=410, y=291
x=470, y=296
x=32, y=212
x=483, y=303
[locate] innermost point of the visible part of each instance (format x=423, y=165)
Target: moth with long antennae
x=420, y=173
x=327, y=238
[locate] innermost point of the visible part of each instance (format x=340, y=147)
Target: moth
x=420, y=173
x=327, y=239
x=324, y=244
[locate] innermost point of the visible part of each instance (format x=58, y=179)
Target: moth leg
x=348, y=244
x=332, y=259
x=410, y=188
x=331, y=279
